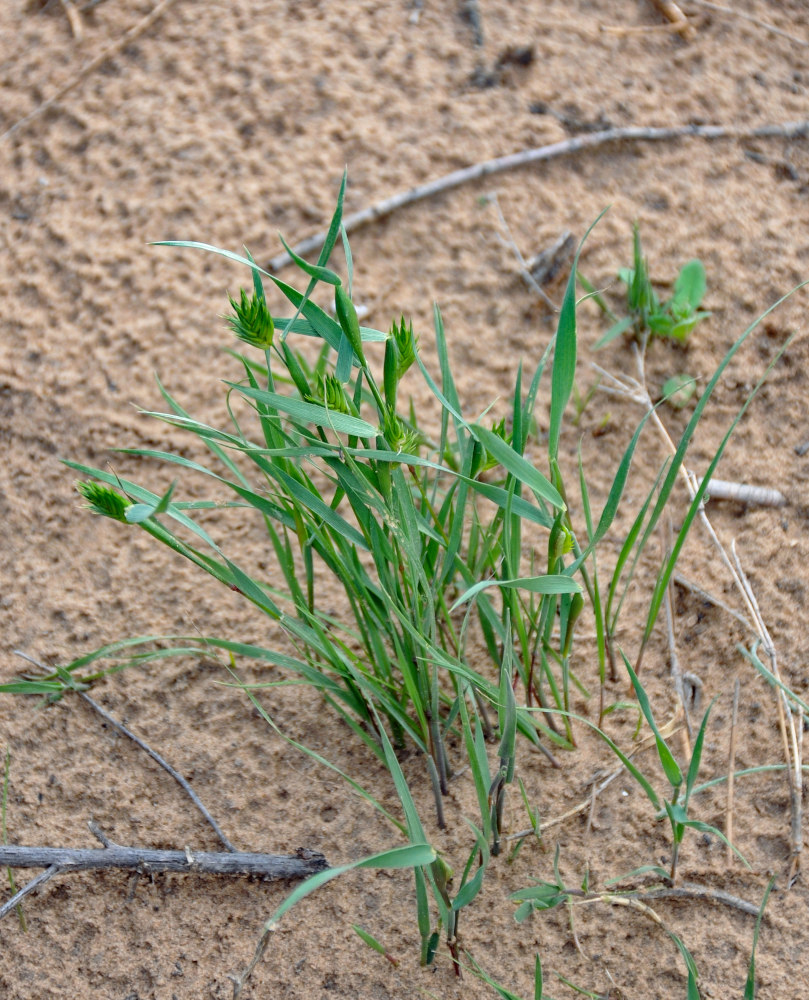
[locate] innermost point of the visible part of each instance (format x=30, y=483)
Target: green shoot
x=647, y=316
x=750, y=983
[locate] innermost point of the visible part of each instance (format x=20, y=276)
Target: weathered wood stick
x=789, y=130
x=764, y=496
x=144, y=859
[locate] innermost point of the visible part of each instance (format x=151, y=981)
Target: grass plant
x=425, y=530
x=676, y=317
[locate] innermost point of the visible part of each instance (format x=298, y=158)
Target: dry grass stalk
x=74, y=19
x=731, y=771
x=786, y=723
x=676, y=18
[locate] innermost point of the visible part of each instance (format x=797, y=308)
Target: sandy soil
x=227, y=121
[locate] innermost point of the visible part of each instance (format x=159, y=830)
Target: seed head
x=251, y=320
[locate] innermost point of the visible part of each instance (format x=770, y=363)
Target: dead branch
x=106, y=53
x=61, y=860
x=145, y=859
x=523, y=158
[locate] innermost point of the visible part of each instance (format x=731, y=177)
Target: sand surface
x=226, y=122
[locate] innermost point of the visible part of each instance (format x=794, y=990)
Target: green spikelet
x=251, y=320
x=104, y=501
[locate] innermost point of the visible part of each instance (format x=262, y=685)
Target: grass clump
x=425, y=530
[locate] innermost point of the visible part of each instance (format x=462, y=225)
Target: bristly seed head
x=104, y=501
x=251, y=321
x=330, y=392
x=406, y=346
x=399, y=436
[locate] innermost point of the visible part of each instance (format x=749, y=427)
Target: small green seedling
x=678, y=391
x=648, y=316
x=682, y=785
x=372, y=942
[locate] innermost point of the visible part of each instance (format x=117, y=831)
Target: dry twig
x=523, y=158
x=762, y=496
x=687, y=584
x=74, y=19
x=106, y=53
x=509, y=241
x=59, y=860
x=181, y=781
x=676, y=18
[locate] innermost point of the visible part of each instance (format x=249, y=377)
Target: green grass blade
x=564, y=354
x=667, y=570
x=750, y=984
x=519, y=467
x=316, y=271
x=410, y=856
x=696, y=755
x=670, y=766
x=564, y=362
x=299, y=409
x=335, y=224
x=557, y=583
x=770, y=676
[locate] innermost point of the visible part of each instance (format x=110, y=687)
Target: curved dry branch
x=788, y=130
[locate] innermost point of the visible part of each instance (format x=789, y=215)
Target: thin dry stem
x=786, y=719
x=666, y=730
x=731, y=771
x=74, y=19
x=509, y=241
x=706, y=595
x=106, y=53
x=786, y=724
